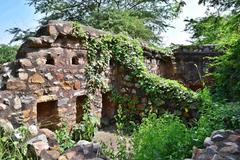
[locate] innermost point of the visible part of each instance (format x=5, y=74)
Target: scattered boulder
x=83, y=150
x=36, y=145
x=222, y=145
x=6, y=126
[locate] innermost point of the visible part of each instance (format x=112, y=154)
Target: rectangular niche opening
x=47, y=115
x=108, y=109
x=79, y=107
x=50, y=60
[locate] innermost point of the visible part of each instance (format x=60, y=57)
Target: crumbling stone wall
x=192, y=64
x=47, y=84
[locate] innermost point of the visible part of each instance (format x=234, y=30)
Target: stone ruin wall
x=192, y=64
x=46, y=83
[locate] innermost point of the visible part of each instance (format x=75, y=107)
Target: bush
x=215, y=116
x=7, y=53
x=162, y=138
x=14, y=148
x=64, y=138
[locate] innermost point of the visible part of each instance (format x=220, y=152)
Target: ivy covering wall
x=128, y=53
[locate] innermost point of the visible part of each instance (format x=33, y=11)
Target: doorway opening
x=79, y=107
x=108, y=109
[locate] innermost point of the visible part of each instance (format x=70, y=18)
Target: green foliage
x=222, y=5
x=126, y=113
x=227, y=74
x=7, y=53
x=14, y=149
x=64, y=137
x=220, y=30
x=88, y=127
x=129, y=54
x=214, y=116
x=141, y=19
x=162, y=138
x=224, y=32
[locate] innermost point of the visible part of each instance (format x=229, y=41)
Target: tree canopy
x=221, y=28
x=144, y=19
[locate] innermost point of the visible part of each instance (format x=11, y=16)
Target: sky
x=17, y=13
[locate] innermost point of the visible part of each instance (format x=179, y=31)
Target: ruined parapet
x=192, y=64
x=47, y=82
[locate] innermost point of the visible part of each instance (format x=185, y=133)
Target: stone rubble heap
x=221, y=145
x=44, y=146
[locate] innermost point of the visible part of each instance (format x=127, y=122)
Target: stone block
x=36, y=78
x=17, y=103
x=16, y=85
x=25, y=62
x=23, y=76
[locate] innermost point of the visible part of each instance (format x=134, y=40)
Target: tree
x=223, y=5
x=144, y=19
x=221, y=28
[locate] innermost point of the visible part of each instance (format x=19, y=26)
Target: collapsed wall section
x=47, y=82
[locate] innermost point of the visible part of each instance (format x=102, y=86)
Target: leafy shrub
x=64, y=137
x=12, y=148
x=86, y=129
x=214, y=116
x=227, y=74
x=7, y=53
x=161, y=138
x=88, y=126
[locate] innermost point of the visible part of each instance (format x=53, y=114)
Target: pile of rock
x=221, y=145
x=44, y=146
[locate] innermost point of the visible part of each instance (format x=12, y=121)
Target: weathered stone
x=25, y=62
x=82, y=150
x=27, y=99
x=41, y=61
x=230, y=148
x=32, y=70
x=52, y=31
x=16, y=85
x=33, y=130
x=2, y=106
x=36, y=78
x=37, y=145
x=49, y=155
x=217, y=137
x=6, y=101
x=23, y=76
x=62, y=102
x=234, y=138
x=27, y=114
x=69, y=77
x=59, y=76
x=67, y=85
x=54, y=89
x=7, y=126
x=207, y=142
x=77, y=85
x=51, y=137
x=17, y=103
x=222, y=148
x=47, y=98
x=49, y=76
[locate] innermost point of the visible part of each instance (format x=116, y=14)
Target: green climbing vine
x=128, y=53
x=87, y=128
